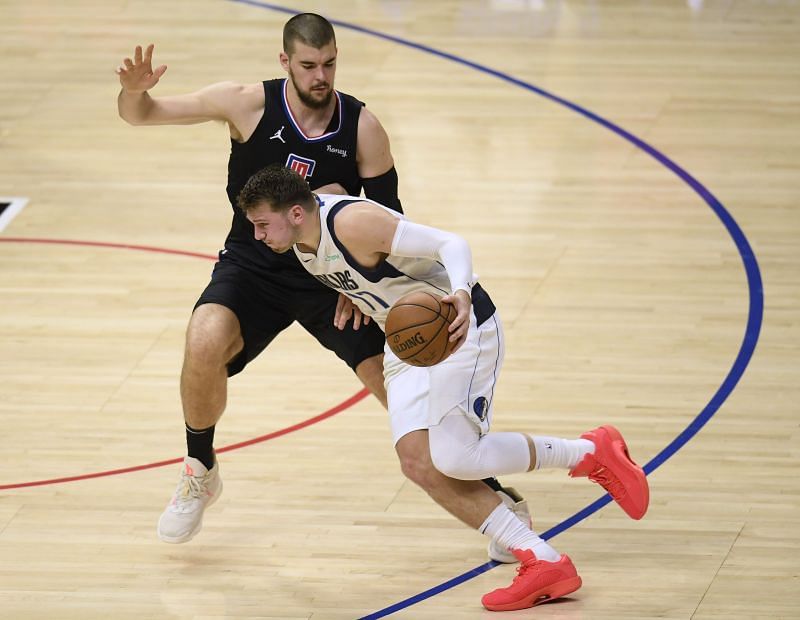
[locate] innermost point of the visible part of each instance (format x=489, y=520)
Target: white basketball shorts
x=420, y=397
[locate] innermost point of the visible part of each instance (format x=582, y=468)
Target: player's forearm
x=453, y=251
x=383, y=189
x=134, y=108
x=456, y=256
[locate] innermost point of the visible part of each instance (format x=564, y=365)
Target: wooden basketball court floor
x=627, y=174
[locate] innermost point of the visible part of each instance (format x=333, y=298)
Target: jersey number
x=363, y=297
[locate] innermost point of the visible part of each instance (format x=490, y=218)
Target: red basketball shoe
x=612, y=468
x=536, y=582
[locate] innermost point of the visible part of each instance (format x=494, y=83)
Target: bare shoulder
x=235, y=95
x=368, y=125
x=373, y=153
x=241, y=105
x=253, y=94
x=362, y=223
x=355, y=212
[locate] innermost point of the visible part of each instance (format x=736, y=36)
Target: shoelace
x=192, y=487
x=608, y=481
x=522, y=569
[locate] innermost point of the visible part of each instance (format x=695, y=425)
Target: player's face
x=273, y=228
x=312, y=72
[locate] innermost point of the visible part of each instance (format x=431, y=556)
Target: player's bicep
x=373, y=153
x=212, y=103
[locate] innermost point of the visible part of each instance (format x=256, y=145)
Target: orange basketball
x=416, y=329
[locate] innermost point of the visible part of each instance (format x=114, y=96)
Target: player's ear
x=284, y=59
x=297, y=215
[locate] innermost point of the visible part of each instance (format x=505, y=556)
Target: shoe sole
x=543, y=595
x=187, y=537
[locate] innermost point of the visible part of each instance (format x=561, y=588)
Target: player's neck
x=312, y=121
x=310, y=234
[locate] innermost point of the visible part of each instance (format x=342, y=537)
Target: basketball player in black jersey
x=339, y=146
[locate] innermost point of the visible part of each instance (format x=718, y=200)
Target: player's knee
x=456, y=448
x=454, y=464
x=415, y=459
x=213, y=336
x=415, y=470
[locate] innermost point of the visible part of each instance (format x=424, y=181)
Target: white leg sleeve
x=458, y=450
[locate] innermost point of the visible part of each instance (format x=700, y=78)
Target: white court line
x=16, y=204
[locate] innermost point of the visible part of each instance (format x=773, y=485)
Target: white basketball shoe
x=197, y=489
x=519, y=507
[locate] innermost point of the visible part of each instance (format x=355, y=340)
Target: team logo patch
x=481, y=407
x=301, y=165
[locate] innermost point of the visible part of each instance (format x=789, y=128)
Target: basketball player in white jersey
x=375, y=256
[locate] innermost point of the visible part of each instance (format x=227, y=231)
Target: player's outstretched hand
x=460, y=326
x=137, y=75
x=345, y=309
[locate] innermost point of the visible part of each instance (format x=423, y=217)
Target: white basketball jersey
x=376, y=290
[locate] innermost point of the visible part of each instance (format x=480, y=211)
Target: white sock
x=503, y=526
x=554, y=452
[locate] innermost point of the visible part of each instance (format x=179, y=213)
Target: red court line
x=235, y=446
x=242, y=444
x=103, y=244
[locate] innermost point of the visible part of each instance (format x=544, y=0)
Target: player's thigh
x=407, y=391
x=316, y=313
x=467, y=379
x=262, y=308
x=213, y=334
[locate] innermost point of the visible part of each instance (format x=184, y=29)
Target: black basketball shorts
x=266, y=304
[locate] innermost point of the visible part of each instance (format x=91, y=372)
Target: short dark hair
x=279, y=187
x=308, y=28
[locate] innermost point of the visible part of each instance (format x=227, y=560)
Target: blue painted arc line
x=754, y=283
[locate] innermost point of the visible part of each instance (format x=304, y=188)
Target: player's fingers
x=343, y=315
x=148, y=53
x=460, y=342
x=160, y=71
x=137, y=54
x=463, y=322
x=128, y=64
x=341, y=303
x=461, y=318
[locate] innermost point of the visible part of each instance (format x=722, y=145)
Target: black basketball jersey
x=329, y=158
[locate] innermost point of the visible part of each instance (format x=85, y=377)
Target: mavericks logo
x=481, y=407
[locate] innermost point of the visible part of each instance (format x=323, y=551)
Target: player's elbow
x=134, y=116
x=130, y=119
x=134, y=111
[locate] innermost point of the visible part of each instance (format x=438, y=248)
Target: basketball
x=416, y=329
